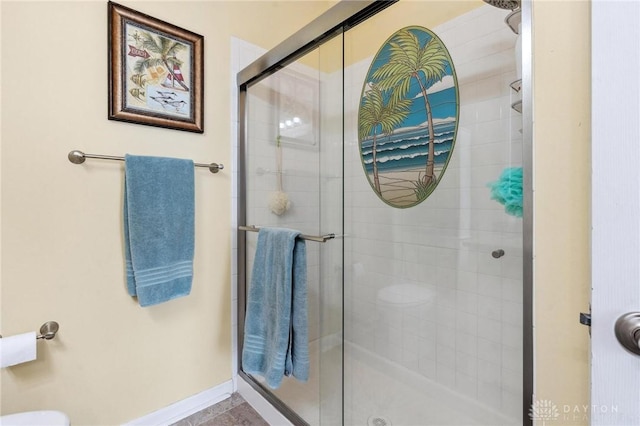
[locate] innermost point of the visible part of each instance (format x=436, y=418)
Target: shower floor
x=375, y=387
x=380, y=388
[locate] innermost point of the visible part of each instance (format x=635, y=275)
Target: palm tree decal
x=426, y=65
x=375, y=113
x=411, y=77
x=166, y=49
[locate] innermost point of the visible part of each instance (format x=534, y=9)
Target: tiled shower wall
x=457, y=320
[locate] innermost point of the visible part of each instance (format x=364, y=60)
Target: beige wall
x=61, y=246
x=62, y=256
x=562, y=124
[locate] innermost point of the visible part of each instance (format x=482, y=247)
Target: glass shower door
x=294, y=180
x=433, y=279
x=416, y=307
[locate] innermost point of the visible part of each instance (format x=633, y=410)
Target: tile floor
x=233, y=411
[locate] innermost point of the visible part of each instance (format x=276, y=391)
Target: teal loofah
x=507, y=190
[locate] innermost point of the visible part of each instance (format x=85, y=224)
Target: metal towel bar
x=78, y=157
x=317, y=238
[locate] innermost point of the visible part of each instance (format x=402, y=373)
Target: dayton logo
x=543, y=411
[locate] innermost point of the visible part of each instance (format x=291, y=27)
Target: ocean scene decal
x=408, y=116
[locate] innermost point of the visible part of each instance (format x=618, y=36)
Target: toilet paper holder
x=47, y=331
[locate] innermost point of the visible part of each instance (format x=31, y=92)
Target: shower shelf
x=517, y=106
x=516, y=85
x=513, y=20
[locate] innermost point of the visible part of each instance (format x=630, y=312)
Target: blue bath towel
x=276, y=337
x=158, y=227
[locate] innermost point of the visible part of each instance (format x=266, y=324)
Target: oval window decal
x=408, y=116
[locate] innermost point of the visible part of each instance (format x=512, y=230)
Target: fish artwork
x=137, y=93
x=139, y=79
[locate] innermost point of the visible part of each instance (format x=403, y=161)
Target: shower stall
x=419, y=300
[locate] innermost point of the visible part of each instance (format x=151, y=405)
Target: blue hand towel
x=159, y=216
x=276, y=341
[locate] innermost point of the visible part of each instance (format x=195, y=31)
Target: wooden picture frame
x=155, y=71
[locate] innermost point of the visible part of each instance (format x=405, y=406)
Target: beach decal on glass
x=408, y=117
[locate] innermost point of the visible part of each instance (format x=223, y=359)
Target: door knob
x=627, y=330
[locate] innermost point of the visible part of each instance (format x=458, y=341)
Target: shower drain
x=378, y=421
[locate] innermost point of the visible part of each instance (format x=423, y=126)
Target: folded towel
x=276, y=330
x=158, y=227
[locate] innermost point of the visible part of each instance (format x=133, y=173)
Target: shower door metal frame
x=527, y=213
x=335, y=21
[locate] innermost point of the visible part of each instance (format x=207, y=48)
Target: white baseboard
x=181, y=409
x=261, y=405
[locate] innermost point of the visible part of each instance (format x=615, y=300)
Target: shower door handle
x=627, y=330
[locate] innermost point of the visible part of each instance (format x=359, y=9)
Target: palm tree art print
x=376, y=113
x=410, y=95
x=157, y=72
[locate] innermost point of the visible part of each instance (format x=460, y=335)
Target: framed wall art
x=155, y=71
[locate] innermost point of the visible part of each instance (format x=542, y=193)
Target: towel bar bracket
x=48, y=330
x=76, y=157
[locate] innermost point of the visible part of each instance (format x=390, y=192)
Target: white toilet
x=35, y=418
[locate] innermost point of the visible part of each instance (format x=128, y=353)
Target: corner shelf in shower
x=517, y=86
x=513, y=20
x=517, y=106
